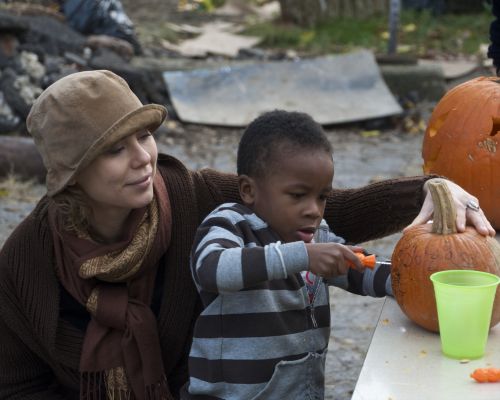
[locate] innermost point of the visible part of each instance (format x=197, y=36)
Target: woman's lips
x=144, y=181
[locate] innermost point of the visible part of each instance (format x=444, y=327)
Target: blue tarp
x=99, y=17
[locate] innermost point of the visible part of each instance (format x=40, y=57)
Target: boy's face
x=291, y=196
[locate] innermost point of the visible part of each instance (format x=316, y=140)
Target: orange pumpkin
x=462, y=139
x=429, y=248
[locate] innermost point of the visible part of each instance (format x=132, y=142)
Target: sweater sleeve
x=376, y=210
x=223, y=260
x=23, y=376
x=24, y=372
x=357, y=215
x=374, y=282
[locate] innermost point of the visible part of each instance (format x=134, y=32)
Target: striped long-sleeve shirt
x=258, y=309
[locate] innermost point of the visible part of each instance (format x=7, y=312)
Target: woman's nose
x=140, y=156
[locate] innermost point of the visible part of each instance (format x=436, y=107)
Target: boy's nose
x=313, y=210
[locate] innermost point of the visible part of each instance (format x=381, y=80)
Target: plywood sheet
x=332, y=89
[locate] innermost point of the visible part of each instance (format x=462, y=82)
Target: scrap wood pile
x=38, y=46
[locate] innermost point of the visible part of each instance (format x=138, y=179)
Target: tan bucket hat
x=79, y=116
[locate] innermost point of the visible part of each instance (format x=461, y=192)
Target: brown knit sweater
x=39, y=351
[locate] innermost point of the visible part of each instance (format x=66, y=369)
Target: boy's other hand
x=328, y=260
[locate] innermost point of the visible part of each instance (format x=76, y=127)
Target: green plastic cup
x=464, y=300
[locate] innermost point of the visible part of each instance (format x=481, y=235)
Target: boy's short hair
x=271, y=133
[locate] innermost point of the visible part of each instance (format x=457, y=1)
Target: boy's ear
x=246, y=186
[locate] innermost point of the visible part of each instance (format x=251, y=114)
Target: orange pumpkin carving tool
x=368, y=260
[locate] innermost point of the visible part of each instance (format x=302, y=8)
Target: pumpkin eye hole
x=496, y=126
x=438, y=123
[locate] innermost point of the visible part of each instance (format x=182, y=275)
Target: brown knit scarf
x=121, y=354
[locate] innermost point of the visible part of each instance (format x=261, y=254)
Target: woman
x=96, y=296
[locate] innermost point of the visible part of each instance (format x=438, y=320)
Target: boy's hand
x=328, y=260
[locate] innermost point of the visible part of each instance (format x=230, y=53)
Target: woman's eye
x=145, y=136
x=114, y=150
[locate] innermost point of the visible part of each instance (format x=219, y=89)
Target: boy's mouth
x=306, y=234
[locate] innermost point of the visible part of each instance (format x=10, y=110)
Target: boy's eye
x=296, y=195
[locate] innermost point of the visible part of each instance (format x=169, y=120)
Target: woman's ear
x=247, y=189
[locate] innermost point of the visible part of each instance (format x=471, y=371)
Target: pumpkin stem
x=445, y=213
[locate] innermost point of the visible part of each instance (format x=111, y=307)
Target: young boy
x=261, y=269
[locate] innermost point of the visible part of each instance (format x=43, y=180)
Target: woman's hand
x=475, y=218
x=328, y=260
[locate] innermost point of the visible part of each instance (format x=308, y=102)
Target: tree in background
x=308, y=13
x=447, y=6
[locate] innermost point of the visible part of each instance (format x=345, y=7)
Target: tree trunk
x=394, y=16
x=308, y=13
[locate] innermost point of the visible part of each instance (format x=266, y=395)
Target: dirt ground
x=359, y=159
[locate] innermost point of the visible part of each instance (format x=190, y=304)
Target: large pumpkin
x=425, y=249
x=462, y=141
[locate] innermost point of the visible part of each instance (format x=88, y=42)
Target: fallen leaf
x=404, y=48
x=372, y=133
x=409, y=28
x=171, y=124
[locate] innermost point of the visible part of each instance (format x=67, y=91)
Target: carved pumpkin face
x=462, y=141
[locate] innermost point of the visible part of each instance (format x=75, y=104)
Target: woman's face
x=121, y=178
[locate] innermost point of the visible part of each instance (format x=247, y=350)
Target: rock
x=12, y=24
x=120, y=46
x=19, y=156
x=9, y=122
x=426, y=81
x=54, y=36
x=10, y=85
x=32, y=66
